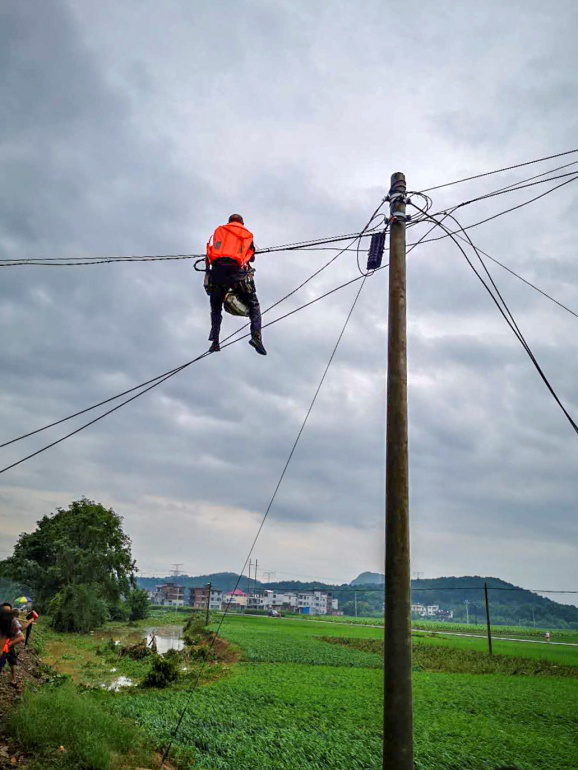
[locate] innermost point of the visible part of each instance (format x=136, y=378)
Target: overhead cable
x=85, y=261
x=505, y=311
x=266, y=514
x=153, y=382
x=500, y=170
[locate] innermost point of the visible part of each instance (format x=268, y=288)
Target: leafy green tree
x=75, y=555
x=77, y=608
x=138, y=604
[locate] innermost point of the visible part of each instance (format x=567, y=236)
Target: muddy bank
x=28, y=673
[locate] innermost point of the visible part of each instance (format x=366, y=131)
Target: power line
x=500, y=170
x=423, y=239
x=161, y=378
x=266, y=514
x=500, y=213
x=505, y=312
x=166, y=375
x=514, y=188
x=154, y=382
x=86, y=261
x=525, y=280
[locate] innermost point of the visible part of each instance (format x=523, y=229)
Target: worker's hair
x=15, y=612
x=7, y=604
x=237, y=218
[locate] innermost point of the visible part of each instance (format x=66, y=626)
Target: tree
x=138, y=604
x=76, y=555
x=77, y=608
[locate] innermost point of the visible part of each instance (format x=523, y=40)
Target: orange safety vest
x=232, y=240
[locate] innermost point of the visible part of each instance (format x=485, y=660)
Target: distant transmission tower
x=176, y=569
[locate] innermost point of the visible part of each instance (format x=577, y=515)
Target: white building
x=315, y=603
x=170, y=594
x=305, y=602
x=235, y=599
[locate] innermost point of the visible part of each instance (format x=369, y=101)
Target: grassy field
x=309, y=696
x=520, y=632
x=298, y=702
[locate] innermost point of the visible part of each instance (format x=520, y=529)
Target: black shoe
x=257, y=343
x=215, y=347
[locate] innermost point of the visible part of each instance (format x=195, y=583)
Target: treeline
x=509, y=604
x=78, y=567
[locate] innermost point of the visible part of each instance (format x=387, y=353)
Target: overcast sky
x=132, y=128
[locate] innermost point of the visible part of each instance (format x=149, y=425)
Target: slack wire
x=86, y=261
x=500, y=170
x=266, y=514
x=506, y=211
x=157, y=381
x=503, y=308
x=517, y=187
x=447, y=213
x=166, y=375
x=423, y=239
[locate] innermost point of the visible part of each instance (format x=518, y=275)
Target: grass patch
x=62, y=728
x=270, y=716
x=435, y=658
x=561, y=656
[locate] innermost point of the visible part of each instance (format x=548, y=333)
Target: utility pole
x=398, y=707
x=209, y=587
x=467, y=602
x=255, y=578
x=488, y=618
x=249, y=578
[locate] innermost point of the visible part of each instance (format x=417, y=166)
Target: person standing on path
x=9, y=652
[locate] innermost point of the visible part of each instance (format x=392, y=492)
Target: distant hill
x=225, y=581
x=368, y=578
x=509, y=604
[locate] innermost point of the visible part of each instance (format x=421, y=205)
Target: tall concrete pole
x=488, y=623
x=398, y=707
x=208, y=607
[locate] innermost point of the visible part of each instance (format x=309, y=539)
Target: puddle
x=167, y=639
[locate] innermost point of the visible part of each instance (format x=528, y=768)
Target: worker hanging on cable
x=229, y=280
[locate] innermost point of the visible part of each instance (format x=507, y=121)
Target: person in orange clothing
x=9, y=651
x=229, y=252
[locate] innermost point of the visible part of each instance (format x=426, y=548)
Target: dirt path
x=28, y=671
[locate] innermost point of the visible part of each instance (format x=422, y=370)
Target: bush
x=138, y=604
x=164, y=671
x=118, y=611
x=136, y=651
x=90, y=737
x=194, y=632
x=78, y=608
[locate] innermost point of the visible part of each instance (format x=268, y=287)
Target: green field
x=298, y=702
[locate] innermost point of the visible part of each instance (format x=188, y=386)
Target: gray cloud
x=123, y=136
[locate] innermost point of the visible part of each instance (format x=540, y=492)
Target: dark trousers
x=225, y=275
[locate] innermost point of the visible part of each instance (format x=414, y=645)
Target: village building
x=170, y=594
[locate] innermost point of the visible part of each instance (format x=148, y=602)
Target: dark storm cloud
x=120, y=136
